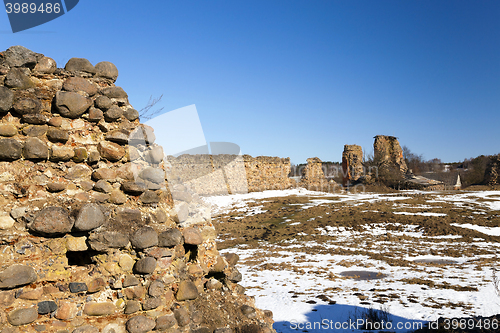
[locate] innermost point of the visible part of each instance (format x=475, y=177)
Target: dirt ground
x=272, y=225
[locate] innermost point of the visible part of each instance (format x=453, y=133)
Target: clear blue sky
x=300, y=78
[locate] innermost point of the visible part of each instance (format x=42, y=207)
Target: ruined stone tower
x=388, y=154
x=93, y=237
x=352, y=164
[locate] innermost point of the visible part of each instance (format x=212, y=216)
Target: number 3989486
x=32, y=8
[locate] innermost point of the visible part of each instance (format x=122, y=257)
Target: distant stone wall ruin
x=352, y=164
x=492, y=172
x=388, y=154
x=230, y=174
x=313, y=176
x=392, y=168
x=197, y=171
x=267, y=173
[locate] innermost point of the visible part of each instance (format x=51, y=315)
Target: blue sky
x=300, y=79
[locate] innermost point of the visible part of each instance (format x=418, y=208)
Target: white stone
x=6, y=221
x=117, y=284
x=66, y=124
x=18, y=212
x=116, y=328
x=55, y=84
x=126, y=262
x=105, y=295
x=77, y=124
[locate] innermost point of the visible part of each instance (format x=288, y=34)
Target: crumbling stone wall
x=197, y=171
x=388, y=153
x=229, y=174
x=389, y=160
x=392, y=169
x=92, y=236
x=313, y=177
x=352, y=164
x=232, y=168
x=209, y=174
x=267, y=173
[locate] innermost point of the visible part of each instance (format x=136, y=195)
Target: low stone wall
x=229, y=174
x=92, y=236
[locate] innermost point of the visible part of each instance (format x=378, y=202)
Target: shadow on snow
x=340, y=318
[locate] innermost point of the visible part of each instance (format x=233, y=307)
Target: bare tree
x=368, y=157
x=406, y=153
x=146, y=113
x=413, y=161
x=435, y=165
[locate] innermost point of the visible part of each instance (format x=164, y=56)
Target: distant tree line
x=418, y=165
x=471, y=170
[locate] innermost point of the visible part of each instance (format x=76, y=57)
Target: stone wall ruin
x=230, y=174
x=267, y=173
x=352, y=164
x=388, y=154
x=92, y=236
x=492, y=172
x=313, y=176
x=388, y=158
x=393, y=170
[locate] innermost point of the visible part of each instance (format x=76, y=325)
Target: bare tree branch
x=145, y=113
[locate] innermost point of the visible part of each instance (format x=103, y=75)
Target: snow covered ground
x=224, y=203
x=302, y=282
